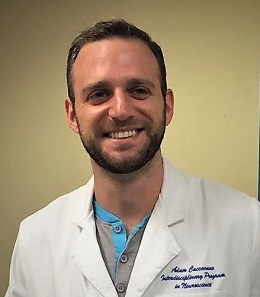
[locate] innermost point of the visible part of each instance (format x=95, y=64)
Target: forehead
x=115, y=57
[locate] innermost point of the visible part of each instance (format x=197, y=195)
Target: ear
x=71, y=115
x=169, y=110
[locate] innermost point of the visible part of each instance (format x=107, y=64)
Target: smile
x=122, y=134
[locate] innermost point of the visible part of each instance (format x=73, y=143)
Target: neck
x=132, y=196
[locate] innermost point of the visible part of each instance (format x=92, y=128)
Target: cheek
x=90, y=126
x=158, y=111
x=153, y=106
x=87, y=117
x=83, y=124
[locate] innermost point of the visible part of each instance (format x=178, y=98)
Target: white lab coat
x=202, y=240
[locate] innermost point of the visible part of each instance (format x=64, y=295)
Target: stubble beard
x=130, y=164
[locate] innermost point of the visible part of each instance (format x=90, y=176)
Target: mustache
x=115, y=124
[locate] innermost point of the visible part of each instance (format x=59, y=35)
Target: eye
x=98, y=97
x=140, y=92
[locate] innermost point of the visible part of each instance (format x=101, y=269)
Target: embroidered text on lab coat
x=193, y=277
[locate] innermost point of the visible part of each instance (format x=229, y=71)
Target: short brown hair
x=109, y=29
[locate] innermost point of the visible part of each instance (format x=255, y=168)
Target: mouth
x=123, y=134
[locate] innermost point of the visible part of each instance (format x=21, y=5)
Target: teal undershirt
x=119, y=234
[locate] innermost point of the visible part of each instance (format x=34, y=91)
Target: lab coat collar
x=173, y=199
x=81, y=205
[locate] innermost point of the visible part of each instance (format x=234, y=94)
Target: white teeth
x=125, y=134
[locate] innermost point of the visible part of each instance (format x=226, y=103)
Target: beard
x=128, y=164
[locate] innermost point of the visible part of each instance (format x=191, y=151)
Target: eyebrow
x=95, y=86
x=140, y=81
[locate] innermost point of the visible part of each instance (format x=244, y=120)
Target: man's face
x=119, y=112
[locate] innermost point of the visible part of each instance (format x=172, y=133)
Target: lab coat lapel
x=87, y=257
x=158, y=246
x=157, y=249
x=85, y=251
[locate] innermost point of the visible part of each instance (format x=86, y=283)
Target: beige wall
x=212, y=53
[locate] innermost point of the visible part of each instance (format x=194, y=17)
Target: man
x=139, y=227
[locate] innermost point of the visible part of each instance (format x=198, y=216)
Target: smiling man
x=139, y=227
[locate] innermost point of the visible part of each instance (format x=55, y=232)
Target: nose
x=121, y=106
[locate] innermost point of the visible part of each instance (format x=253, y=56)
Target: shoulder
x=202, y=194
x=58, y=214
